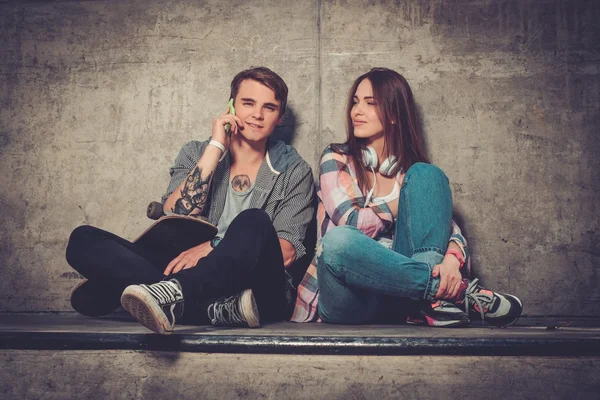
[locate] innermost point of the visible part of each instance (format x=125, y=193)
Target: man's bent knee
x=77, y=241
x=253, y=216
x=254, y=219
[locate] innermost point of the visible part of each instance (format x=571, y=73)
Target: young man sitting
x=257, y=191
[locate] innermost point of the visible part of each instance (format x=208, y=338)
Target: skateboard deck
x=173, y=234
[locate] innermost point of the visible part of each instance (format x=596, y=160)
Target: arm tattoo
x=194, y=193
x=240, y=183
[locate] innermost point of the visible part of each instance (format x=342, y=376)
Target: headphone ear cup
x=388, y=166
x=369, y=157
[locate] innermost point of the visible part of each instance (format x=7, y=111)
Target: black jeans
x=249, y=256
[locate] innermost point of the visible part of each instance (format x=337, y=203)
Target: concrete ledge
x=518, y=346
x=70, y=356
x=71, y=332
x=116, y=374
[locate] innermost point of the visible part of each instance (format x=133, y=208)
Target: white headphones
x=370, y=160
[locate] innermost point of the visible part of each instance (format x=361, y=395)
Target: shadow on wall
x=457, y=215
x=286, y=131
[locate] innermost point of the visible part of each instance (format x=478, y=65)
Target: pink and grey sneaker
x=498, y=309
x=439, y=313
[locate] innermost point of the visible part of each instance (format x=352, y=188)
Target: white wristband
x=218, y=145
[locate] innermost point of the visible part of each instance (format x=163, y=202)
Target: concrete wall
x=97, y=97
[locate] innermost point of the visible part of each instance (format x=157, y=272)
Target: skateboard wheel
x=155, y=210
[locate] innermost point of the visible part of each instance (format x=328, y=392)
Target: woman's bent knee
x=338, y=242
x=337, y=249
x=339, y=237
x=427, y=173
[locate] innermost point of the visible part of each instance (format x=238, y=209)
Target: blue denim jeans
x=355, y=272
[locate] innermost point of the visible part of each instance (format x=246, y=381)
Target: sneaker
x=93, y=300
x=499, y=309
x=235, y=310
x=439, y=313
x=155, y=306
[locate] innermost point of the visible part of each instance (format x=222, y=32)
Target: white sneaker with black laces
x=155, y=306
x=239, y=309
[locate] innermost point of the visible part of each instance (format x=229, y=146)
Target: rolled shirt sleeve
x=296, y=210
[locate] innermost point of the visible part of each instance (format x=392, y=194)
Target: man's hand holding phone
x=225, y=125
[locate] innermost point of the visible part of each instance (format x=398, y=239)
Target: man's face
x=256, y=106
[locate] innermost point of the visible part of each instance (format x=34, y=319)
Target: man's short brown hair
x=266, y=77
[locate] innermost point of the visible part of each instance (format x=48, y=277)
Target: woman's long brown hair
x=397, y=111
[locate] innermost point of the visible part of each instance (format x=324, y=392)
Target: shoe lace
x=165, y=292
x=481, y=299
x=168, y=293
x=446, y=304
x=226, y=312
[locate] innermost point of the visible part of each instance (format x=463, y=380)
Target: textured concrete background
x=97, y=97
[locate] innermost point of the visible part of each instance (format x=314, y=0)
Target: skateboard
x=173, y=234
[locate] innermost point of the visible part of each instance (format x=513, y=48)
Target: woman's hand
x=188, y=258
x=450, y=278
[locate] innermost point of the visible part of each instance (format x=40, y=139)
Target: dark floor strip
x=302, y=345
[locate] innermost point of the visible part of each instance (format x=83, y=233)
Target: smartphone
x=232, y=112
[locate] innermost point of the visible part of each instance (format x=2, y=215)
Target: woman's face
x=365, y=120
